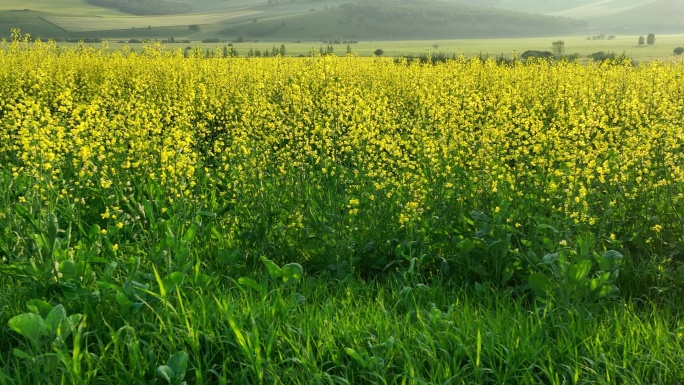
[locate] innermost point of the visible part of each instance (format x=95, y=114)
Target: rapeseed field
x=338, y=220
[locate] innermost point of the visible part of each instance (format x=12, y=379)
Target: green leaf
x=173, y=280
x=56, y=316
x=21, y=354
x=550, y=258
x=94, y=233
x=356, y=356
x=543, y=226
x=540, y=285
x=612, y=255
x=609, y=260
x=123, y=301
x=479, y=270
x=249, y=282
x=69, y=325
x=178, y=362
x=68, y=269
x=480, y=217
x=311, y=244
x=292, y=272
x=40, y=307
x=149, y=213
x=273, y=270
x=189, y=233
x=166, y=373
x=31, y=326
x=580, y=270
x=466, y=246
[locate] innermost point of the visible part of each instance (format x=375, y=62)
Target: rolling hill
x=405, y=20
x=622, y=16
x=284, y=20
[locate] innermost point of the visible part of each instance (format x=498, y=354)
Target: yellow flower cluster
x=405, y=140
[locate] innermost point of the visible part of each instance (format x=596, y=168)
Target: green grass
x=350, y=331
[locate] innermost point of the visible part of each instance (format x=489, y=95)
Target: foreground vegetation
x=168, y=219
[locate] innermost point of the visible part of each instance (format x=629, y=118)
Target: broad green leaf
x=543, y=226
x=550, y=258
x=479, y=270
x=94, y=232
x=190, y=233
x=603, y=291
x=166, y=373
x=21, y=354
x=273, y=270
x=540, y=285
x=311, y=244
x=56, y=316
x=123, y=301
x=480, y=217
x=68, y=269
x=69, y=325
x=249, y=282
x=292, y=272
x=612, y=255
x=580, y=270
x=610, y=260
x=40, y=307
x=466, y=246
x=599, y=281
x=31, y=326
x=149, y=213
x=178, y=362
x=173, y=280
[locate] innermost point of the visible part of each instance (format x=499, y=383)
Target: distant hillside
x=659, y=16
x=281, y=20
x=530, y=6
x=622, y=16
x=145, y=7
x=402, y=20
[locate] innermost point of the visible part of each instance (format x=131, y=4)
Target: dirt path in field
x=598, y=9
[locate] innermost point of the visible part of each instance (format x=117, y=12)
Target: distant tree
x=240, y=39
x=536, y=54
x=378, y=52
x=558, y=48
x=282, y=50
x=679, y=50
x=194, y=27
x=642, y=41
x=349, y=51
x=650, y=40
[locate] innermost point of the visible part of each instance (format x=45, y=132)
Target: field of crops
x=97, y=23
x=338, y=220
